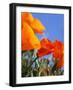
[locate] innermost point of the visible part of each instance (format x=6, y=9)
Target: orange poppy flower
x=46, y=47
x=29, y=26
x=35, y=24
x=58, y=49
x=60, y=63
x=26, y=16
x=58, y=53
x=29, y=39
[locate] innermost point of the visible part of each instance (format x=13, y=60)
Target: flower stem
x=34, y=60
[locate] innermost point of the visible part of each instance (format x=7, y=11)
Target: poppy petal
x=37, y=26
x=29, y=39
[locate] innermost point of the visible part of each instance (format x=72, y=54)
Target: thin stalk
x=34, y=60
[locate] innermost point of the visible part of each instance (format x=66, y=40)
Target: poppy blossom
x=28, y=29
x=26, y=16
x=58, y=49
x=58, y=53
x=60, y=63
x=37, y=26
x=29, y=39
x=46, y=47
x=34, y=23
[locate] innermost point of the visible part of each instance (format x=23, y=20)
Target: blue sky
x=54, y=24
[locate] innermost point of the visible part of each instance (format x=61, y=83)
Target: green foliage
x=37, y=67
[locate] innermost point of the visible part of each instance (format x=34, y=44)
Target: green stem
x=34, y=60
